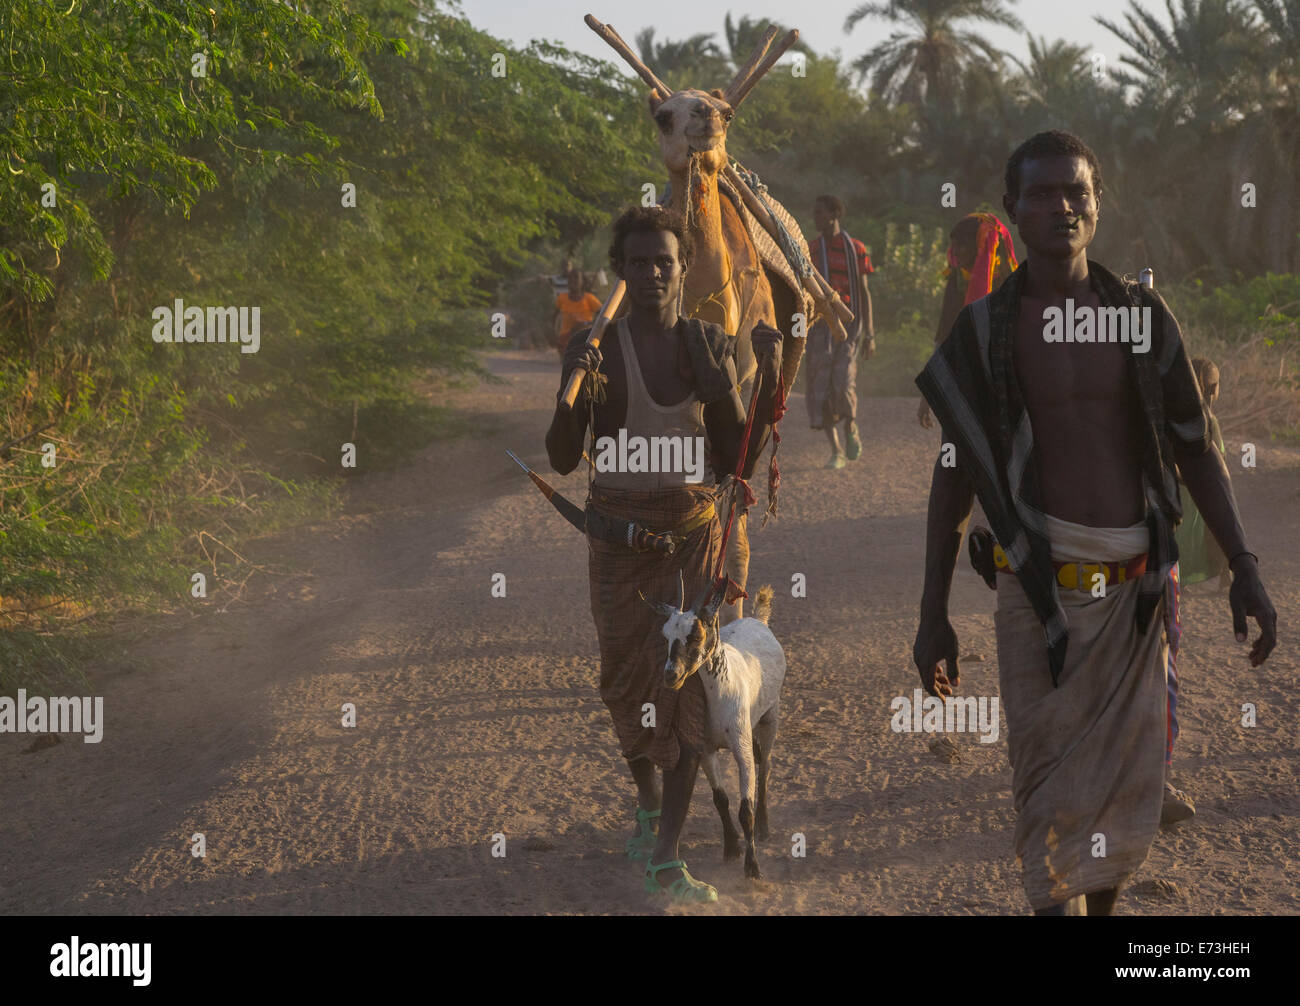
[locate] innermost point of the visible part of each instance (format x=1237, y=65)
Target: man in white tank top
x=667, y=422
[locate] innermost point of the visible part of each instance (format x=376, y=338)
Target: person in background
x=832, y=394
x=574, y=309
x=560, y=281
x=981, y=255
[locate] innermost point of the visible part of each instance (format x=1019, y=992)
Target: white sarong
x=1087, y=757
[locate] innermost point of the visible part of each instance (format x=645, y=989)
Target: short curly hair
x=1053, y=143
x=833, y=205
x=650, y=218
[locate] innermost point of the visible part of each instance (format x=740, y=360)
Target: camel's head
x=692, y=121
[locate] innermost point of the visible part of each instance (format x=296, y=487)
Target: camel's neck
x=708, y=292
x=709, y=269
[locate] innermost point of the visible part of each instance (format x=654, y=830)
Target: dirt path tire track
x=479, y=715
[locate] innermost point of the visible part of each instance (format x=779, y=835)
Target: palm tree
x=969, y=135
x=1054, y=70
x=743, y=35
x=690, y=62
x=1268, y=144
x=924, y=60
x=1212, y=87
x=1281, y=54
x=1193, y=67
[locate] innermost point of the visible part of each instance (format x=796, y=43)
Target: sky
x=820, y=24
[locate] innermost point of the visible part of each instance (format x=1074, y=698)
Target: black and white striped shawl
x=971, y=385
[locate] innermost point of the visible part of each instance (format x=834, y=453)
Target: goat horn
x=760, y=51
x=734, y=98
x=703, y=597
x=666, y=610
x=681, y=591
x=607, y=32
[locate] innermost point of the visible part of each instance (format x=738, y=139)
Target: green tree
x=96, y=101
x=1054, y=70
x=691, y=62
x=923, y=60
x=1205, y=90
x=229, y=188
x=1278, y=62
x=744, y=35
x=1195, y=66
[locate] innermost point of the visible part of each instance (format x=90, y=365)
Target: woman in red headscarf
x=980, y=256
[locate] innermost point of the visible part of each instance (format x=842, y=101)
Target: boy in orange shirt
x=573, y=310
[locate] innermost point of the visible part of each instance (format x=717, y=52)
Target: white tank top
x=681, y=424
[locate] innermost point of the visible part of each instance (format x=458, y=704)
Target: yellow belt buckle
x=1068, y=576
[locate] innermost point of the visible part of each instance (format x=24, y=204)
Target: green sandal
x=684, y=890
x=852, y=443
x=643, y=845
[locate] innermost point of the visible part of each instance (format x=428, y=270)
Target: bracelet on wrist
x=1240, y=554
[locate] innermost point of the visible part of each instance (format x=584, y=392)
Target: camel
x=739, y=276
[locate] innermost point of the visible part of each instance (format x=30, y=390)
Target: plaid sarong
x=633, y=650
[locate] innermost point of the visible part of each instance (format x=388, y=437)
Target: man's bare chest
x=1055, y=376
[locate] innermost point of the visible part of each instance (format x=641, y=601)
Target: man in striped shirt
x=832, y=367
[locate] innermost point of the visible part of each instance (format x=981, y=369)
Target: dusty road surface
x=478, y=715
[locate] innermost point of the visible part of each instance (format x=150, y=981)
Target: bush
x=1267, y=305
x=1250, y=330
x=906, y=294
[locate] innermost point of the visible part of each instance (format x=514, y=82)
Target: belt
x=641, y=538
x=692, y=523
x=1079, y=575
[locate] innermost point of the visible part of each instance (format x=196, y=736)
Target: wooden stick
x=597, y=333
x=607, y=32
x=743, y=73
x=837, y=313
x=827, y=304
x=790, y=39
x=833, y=296
x=827, y=299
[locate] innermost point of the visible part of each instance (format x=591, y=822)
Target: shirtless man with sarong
x=658, y=375
x=1071, y=448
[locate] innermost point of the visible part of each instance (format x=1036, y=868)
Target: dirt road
x=478, y=715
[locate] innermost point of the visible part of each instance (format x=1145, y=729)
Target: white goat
x=741, y=667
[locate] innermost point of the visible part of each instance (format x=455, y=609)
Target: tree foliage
x=360, y=172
